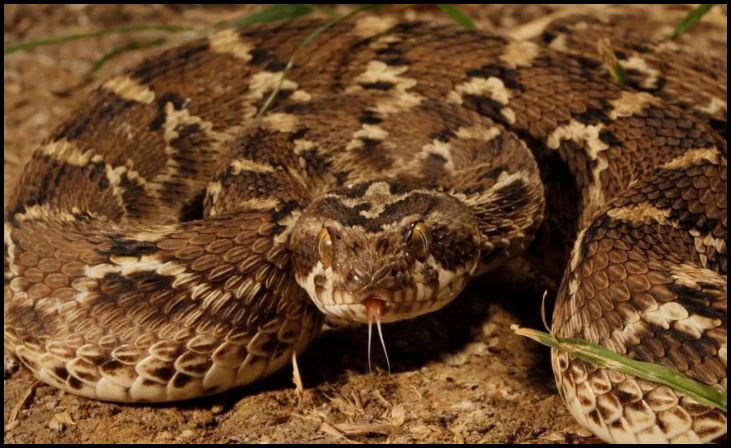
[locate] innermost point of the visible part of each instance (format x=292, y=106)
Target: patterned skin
x=165, y=244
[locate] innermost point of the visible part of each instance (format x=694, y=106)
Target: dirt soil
x=458, y=375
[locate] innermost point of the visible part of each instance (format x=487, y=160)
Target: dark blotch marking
x=164, y=373
x=379, y=85
x=105, y=109
x=493, y=173
x=275, y=66
x=696, y=302
x=297, y=108
x=112, y=365
x=171, y=61
x=113, y=284
x=443, y=136
x=250, y=183
x=61, y=372
x=355, y=191
x=315, y=164
x=390, y=50
x=284, y=94
x=638, y=47
x=44, y=183
x=547, y=37
x=259, y=56
x=382, y=245
x=405, y=28
x=159, y=120
x=285, y=210
x=436, y=159
x=369, y=117
x=508, y=76
x=402, y=186
x=512, y=196
x=74, y=383
x=298, y=134
x=269, y=346
x=479, y=188
x=624, y=397
x=181, y=380
x=96, y=170
x=609, y=138
x=485, y=106
x=710, y=286
x=85, y=376
x=595, y=417
x=592, y=116
x=395, y=187
x=341, y=177
x=371, y=151
x=332, y=208
x=370, y=143
x=185, y=132
x=396, y=61
x=193, y=210
x=433, y=167
x=450, y=248
x=124, y=247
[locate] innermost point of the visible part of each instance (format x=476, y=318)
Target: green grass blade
x=458, y=16
x=268, y=14
x=272, y=13
x=656, y=373
x=29, y=44
x=132, y=46
x=691, y=19
x=306, y=41
x=619, y=75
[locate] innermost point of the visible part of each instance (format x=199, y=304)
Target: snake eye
x=420, y=241
x=325, y=249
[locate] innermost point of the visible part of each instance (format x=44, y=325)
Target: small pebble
x=60, y=421
x=11, y=366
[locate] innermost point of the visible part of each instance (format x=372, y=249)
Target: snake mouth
x=375, y=307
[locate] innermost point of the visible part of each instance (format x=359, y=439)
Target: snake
x=169, y=241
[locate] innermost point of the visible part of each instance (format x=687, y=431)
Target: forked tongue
x=374, y=311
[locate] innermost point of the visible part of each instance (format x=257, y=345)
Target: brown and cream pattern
x=162, y=243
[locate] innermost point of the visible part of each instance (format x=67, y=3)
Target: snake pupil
x=325, y=249
x=420, y=241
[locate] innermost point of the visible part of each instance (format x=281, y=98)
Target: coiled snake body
x=165, y=244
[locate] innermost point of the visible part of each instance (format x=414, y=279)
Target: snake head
x=385, y=248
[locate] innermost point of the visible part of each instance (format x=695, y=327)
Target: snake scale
x=166, y=243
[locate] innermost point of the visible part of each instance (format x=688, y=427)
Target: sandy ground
x=459, y=375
